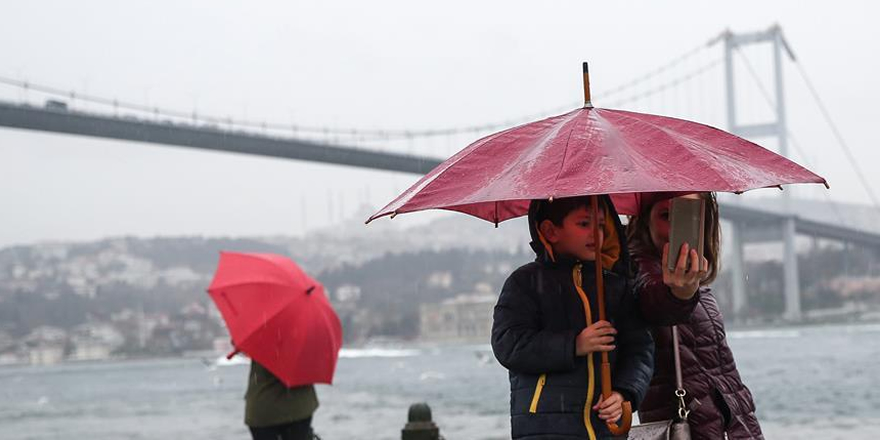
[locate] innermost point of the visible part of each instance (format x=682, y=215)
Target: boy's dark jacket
x=538, y=315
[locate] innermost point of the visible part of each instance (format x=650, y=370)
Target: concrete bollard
x=419, y=425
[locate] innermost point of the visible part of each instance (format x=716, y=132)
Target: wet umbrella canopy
x=594, y=151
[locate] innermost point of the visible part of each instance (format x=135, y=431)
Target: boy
x=544, y=336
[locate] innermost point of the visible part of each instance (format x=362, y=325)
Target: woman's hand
x=684, y=281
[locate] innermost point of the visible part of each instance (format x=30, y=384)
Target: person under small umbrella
x=274, y=411
x=281, y=318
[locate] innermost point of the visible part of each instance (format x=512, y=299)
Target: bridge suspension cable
x=838, y=136
x=669, y=84
x=374, y=134
x=794, y=142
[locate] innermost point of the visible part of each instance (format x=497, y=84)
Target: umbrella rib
x=241, y=283
x=277, y=312
x=272, y=262
x=562, y=162
x=421, y=185
x=513, y=165
x=299, y=348
x=574, y=115
x=428, y=179
x=690, y=140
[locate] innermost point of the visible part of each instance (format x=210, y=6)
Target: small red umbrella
x=594, y=151
x=279, y=316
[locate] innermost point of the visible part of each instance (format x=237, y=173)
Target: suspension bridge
x=68, y=112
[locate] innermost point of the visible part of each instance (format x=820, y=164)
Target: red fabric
x=279, y=316
x=595, y=151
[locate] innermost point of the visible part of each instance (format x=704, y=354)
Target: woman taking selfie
x=718, y=404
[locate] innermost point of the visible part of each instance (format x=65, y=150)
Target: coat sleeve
x=658, y=305
x=635, y=352
x=518, y=340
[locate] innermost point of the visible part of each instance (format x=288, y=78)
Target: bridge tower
x=777, y=129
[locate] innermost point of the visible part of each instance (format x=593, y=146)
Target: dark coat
x=718, y=400
x=538, y=315
x=268, y=402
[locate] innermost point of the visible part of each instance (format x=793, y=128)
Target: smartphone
x=687, y=218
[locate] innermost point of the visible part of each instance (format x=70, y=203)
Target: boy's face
x=575, y=236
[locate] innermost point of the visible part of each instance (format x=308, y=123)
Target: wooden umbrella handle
x=626, y=417
x=626, y=420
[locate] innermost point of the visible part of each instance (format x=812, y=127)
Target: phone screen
x=686, y=220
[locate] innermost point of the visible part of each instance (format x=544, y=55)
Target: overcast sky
x=380, y=64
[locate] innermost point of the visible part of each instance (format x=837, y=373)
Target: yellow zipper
x=591, y=380
x=542, y=379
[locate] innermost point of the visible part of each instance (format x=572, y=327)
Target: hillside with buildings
x=131, y=297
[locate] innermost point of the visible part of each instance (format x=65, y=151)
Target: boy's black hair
x=556, y=210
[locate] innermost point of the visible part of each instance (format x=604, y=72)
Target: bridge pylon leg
x=739, y=299
x=790, y=272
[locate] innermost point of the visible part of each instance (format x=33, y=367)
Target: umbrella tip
x=587, y=103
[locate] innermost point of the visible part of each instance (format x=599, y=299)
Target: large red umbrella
x=278, y=315
x=594, y=151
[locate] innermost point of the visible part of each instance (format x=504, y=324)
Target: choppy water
x=815, y=382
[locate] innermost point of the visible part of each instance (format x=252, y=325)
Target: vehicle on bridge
x=54, y=104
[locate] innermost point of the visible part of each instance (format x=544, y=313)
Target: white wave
x=377, y=352
x=763, y=334
x=803, y=331
x=431, y=375
x=236, y=360
x=862, y=328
